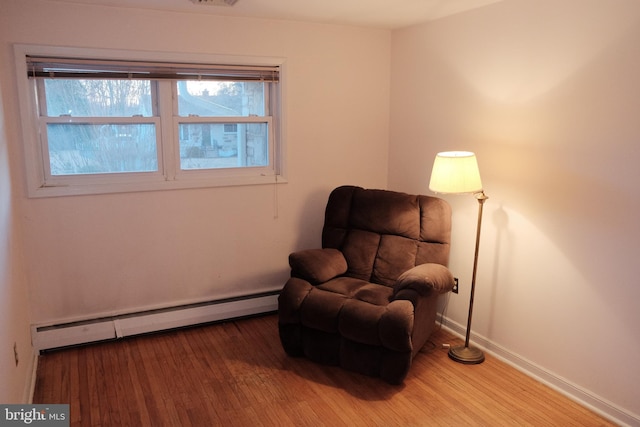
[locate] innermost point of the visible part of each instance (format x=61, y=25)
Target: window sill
x=131, y=187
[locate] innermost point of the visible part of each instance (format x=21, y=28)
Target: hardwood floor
x=236, y=374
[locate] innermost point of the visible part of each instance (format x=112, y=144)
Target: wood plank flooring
x=236, y=374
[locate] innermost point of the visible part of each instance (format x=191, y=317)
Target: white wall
x=14, y=304
x=94, y=255
x=547, y=94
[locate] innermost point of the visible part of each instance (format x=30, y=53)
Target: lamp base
x=466, y=355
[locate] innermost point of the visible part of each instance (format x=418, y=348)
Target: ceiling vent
x=215, y=2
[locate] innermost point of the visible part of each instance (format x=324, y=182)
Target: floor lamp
x=456, y=172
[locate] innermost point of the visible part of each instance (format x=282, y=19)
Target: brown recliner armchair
x=367, y=300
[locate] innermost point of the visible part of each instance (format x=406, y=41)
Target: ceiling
x=388, y=14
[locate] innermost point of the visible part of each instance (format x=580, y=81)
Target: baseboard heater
x=120, y=326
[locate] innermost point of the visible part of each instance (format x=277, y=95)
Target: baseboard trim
x=574, y=392
x=47, y=337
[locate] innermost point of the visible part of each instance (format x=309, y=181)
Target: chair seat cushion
x=359, y=311
x=359, y=289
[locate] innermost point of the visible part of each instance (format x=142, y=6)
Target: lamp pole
x=466, y=354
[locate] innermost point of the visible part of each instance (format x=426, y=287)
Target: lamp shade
x=455, y=172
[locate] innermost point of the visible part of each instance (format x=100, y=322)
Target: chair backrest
x=384, y=233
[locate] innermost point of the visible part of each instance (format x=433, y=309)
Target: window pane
x=223, y=145
x=220, y=98
x=98, y=98
x=102, y=148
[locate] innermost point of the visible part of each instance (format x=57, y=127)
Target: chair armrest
x=425, y=278
x=317, y=265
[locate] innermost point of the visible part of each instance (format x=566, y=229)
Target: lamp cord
x=432, y=345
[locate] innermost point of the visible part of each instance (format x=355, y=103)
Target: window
x=97, y=126
x=105, y=125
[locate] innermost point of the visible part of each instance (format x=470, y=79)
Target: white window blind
x=53, y=67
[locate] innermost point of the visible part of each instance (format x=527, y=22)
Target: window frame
x=169, y=176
